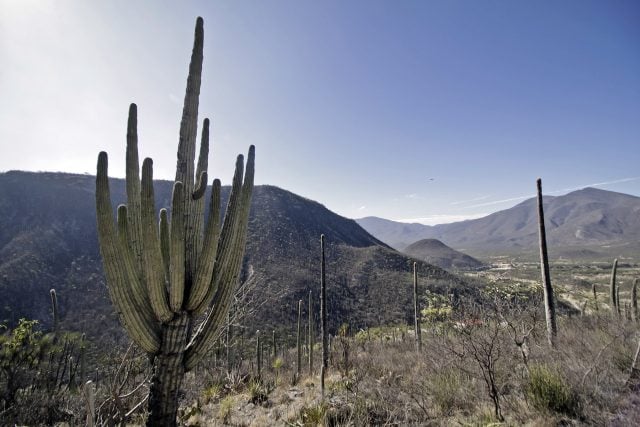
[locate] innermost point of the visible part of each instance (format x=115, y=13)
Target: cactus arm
x=207, y=257
x=224, y=255
x=146, y=335
x=138, y=290
x=176, y=288
x=164, y=230
x=210, y=329
x=133, y=189
x=201, y=173
x=152, y=265
x=201, y=188
x=203, y=156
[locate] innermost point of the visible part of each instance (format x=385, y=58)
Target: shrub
x=224, y=411
x=448, y=391
x=547, y=390
x=313, y=415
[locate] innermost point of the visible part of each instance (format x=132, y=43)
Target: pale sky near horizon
x=426, y=111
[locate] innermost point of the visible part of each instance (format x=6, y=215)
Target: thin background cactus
x=310, y=332
x=549, y=302
x=416, y=309
x=613, y=294
x=54, y=310
x=299, y=341
x=323, y=306
x=160, y=277
x=634, y=300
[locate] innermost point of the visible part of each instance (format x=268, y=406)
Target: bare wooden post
x=416, y=309
x=549, y=302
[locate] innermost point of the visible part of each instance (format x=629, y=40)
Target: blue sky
x=411, y=110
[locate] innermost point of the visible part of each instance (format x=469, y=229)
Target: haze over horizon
x=427, y=112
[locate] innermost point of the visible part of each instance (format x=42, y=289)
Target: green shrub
x=224, y=411
x=547, y=390
x=313, y=415
x=212, y=393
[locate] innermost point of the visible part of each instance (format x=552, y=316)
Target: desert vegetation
x=500, y=346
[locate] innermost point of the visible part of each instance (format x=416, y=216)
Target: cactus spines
x=160, y=275
x=549, y=302
x=416, y=309
x=613, y=295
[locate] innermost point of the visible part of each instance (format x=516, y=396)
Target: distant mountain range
x=437, y=253
x=48, y=240
x=584, y=223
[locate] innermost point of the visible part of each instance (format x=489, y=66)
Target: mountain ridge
x=48, y=240
x=587, y=218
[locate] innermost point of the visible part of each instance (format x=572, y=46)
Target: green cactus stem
x=160, y=275
x=549, y=301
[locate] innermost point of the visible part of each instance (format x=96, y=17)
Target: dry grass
x=471, y=376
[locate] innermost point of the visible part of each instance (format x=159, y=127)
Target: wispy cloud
x=477, y=199
x=598, y=184
x=441, y=218
x=497, y=202
x=564, y=190
x=413, y=196
x=361, y=208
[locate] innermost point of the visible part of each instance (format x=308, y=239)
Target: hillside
x=48, y=240
x=437, y=253
x=597, y=221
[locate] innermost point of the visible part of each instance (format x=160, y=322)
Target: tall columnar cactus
x=613, y=294
x=416, y=309
x=161, y=277
x=595, y=296
x=549, y=302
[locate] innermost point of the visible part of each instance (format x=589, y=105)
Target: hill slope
x=48, y=240
x=437, y=253
x=589, y=219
